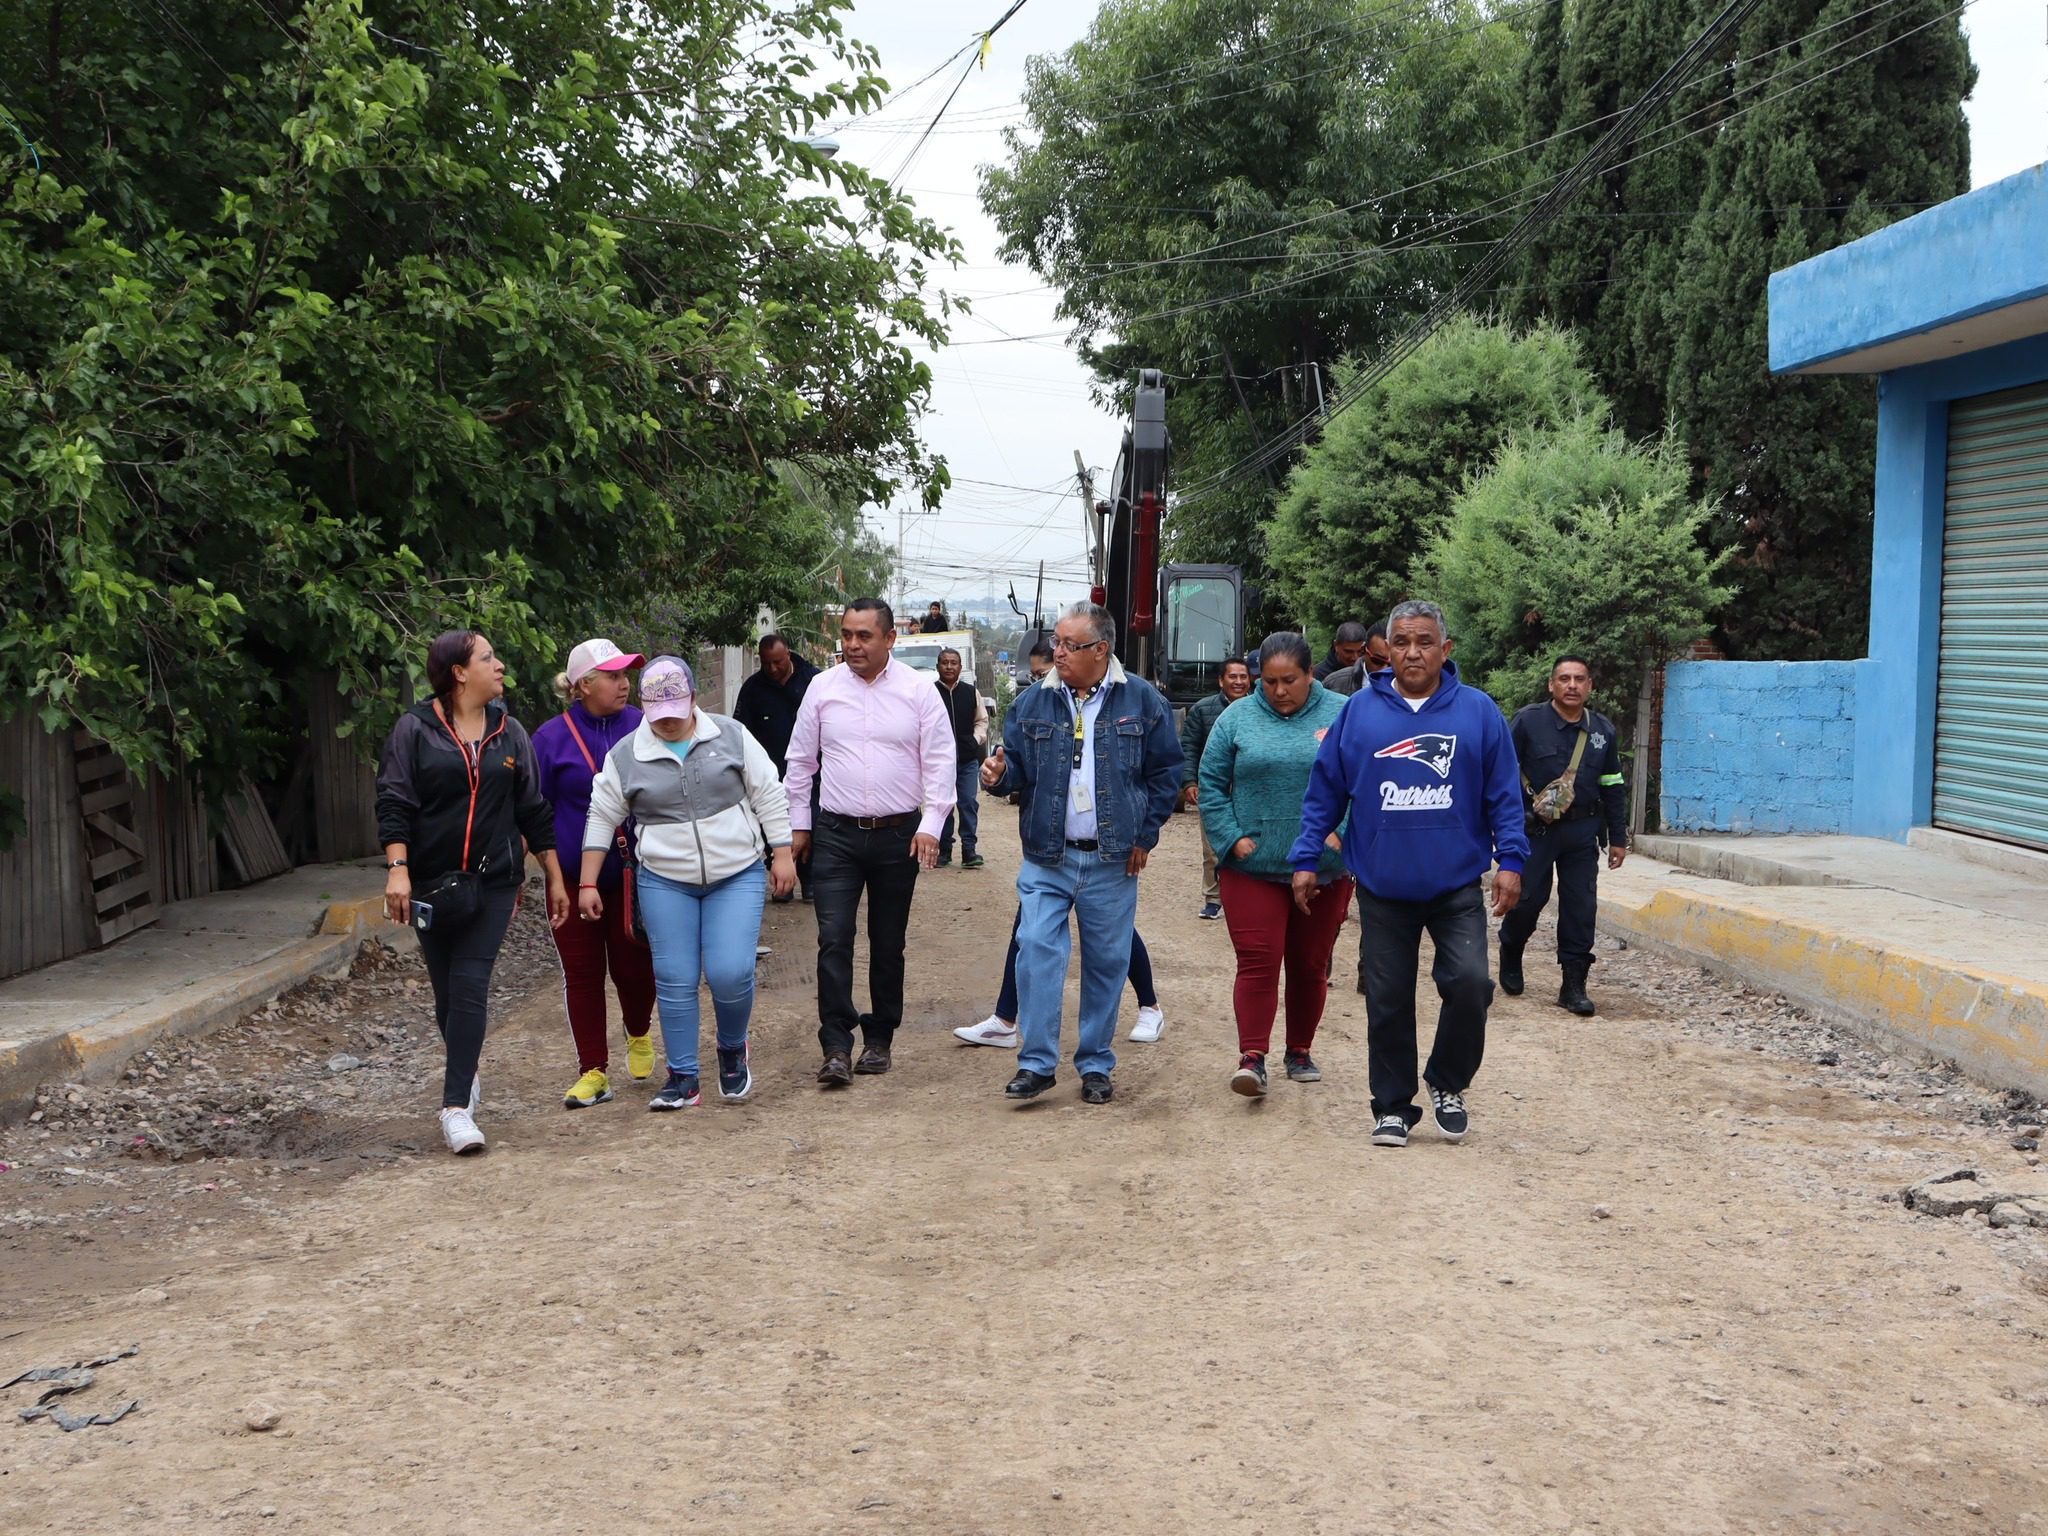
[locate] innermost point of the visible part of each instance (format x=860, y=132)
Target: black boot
x=1510, y=968
x=1572, y=995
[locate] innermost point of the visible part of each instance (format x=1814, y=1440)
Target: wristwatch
x=396, y=864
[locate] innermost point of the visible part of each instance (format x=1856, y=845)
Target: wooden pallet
x=117, y=859
x=252, y=843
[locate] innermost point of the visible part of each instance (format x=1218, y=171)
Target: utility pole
x=1091, y=523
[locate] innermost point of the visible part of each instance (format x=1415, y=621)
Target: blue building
x=1945, y=722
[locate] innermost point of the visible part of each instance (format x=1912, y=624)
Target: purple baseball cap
x=668, y=690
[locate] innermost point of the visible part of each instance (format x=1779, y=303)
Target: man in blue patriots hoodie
x=1427, y=770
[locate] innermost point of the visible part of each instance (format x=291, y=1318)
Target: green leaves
x=324, y=337
x=1574, y=539
x=1367, y=499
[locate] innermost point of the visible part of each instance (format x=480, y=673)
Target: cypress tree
x=1605, y=266
x=1843, y=154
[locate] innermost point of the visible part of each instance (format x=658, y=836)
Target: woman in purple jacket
x=571, y=748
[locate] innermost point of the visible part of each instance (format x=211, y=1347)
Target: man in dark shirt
x=1234, y=683
x=767, y=706
x=935, y=622
x=969, y=718
x=1546, y=736
x=1345, y=647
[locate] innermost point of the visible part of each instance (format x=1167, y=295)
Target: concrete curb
x=1720, y=861
x=97, y=1051
x=1992, y=1025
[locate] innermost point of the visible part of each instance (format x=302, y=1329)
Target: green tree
x=1606, y=267
x=325, y=329
x=1791, y=459
x=1366, y=499
x=1574, y=540
x=1242, y=191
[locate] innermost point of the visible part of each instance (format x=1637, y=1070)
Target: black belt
x=1085, y=844
x=873, y=823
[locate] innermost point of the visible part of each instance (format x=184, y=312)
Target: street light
x=824, y=146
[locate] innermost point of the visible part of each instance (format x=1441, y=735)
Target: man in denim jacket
x=1093, y=754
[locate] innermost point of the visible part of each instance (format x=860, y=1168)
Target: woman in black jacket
x=457, y=790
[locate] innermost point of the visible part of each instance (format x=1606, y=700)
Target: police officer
x=1571, y=789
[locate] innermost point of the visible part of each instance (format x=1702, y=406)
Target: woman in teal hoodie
x=1253, y=778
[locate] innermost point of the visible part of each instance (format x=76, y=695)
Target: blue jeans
x=1141, y=974
x=966, y=786
x=1105, y=898
x=702, y=933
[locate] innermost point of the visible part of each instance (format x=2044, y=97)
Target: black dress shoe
x=1096, y=1089
x=1027, y=1084
x=837, y=1071
x=874, y=1061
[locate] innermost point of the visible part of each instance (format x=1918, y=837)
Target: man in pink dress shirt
x=875, y=736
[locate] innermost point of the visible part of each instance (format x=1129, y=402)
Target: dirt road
x=1659, y=1289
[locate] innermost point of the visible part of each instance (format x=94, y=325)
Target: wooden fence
x=101, y=854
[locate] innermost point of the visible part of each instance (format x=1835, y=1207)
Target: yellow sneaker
x=640, y=1055
x=593, y=1087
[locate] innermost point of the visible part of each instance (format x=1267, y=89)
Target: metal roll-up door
x=1991, y=708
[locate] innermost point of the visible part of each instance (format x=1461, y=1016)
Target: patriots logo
x=1433, y=752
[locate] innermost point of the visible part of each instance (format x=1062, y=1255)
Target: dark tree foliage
x=1790, y=460
x=1822, y=121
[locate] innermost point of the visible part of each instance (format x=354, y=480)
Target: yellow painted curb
x=1994, y=1025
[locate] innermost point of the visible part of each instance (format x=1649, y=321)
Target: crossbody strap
x=619, y=837
x=1571, y=769
x=473, y=768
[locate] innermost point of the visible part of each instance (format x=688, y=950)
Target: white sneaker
x=458, y=1129
x=1150, y=1026
x=999, y=1032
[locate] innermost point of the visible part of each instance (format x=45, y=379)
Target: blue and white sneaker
x=735, y=1076
x=679, y=1092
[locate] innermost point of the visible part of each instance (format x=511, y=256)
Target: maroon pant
x=1269, y=932
x=587, y=951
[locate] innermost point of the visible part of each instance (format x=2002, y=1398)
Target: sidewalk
x=206, y=961
x=1940, y=955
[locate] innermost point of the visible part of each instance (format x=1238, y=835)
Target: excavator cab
x=1201, y=626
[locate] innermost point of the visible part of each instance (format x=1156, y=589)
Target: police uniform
x=1571, y=845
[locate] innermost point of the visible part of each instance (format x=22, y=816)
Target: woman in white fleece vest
x=712, y=840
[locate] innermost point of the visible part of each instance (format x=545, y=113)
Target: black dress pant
x=847, y=863
x=1570, y=848
x=459, y=962
x=1392, y=946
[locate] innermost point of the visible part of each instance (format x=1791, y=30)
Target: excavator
x=1175, y=624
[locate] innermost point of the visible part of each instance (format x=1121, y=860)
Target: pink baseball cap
x=597, y=656
x=667, y=690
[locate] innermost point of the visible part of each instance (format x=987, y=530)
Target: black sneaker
x=1449, y=1109
x=1390, y=1130
x=1211, y=910
x=1302, y=1068
x=735, y=1076
x=679, y=1092
x=945, y=861
x=1250, y=1077
x=973, y=861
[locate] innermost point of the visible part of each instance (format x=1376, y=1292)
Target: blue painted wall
x=1967, y=256
x=1895, y=698
x=1759, y=746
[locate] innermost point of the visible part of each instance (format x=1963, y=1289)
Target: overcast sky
x=1008, y=416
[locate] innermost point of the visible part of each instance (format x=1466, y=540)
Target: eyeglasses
x=1068, y=645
